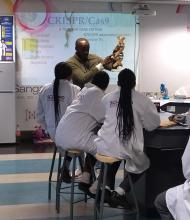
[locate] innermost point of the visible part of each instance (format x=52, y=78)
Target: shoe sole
x=84, y=187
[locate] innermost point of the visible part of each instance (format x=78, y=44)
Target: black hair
x=77, y=43
x=62, y=71
x=125, y=118
x=101, y=80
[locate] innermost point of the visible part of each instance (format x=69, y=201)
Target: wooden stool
x=74, y=154
x=99, y=206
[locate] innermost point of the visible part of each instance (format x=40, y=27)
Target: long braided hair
x=125, y=118
x=62, y=71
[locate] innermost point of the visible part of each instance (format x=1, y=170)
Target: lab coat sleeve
x=188, y=118
x=186, y=161
x=186, y=154
x=150, y=118
x=40, y=114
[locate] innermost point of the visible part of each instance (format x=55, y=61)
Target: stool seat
x=106, y=159
x=75, y=151
x=69, y=151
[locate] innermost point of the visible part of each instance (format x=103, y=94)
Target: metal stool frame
x=51, y=172
x=99, y=206
x=60, y=172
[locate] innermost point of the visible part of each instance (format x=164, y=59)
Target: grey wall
x=164, y=50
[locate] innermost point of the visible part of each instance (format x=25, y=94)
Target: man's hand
x=113, y=62
x=108, y=62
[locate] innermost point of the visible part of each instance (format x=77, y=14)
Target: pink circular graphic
x=32, y=30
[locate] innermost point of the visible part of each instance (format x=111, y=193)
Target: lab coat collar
x=90, y=85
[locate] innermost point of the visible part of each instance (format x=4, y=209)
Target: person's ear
x=69, y=77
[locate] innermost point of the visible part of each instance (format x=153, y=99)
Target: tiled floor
x=24, y=170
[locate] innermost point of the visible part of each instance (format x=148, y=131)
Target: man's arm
x=186, y=154
x=80, y=75
x=150, y=118
x=83, y=73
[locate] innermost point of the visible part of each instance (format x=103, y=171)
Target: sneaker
x=91, y=195
x=93, y=187
x=66, y=178
x=84, y=187
x=106, y=196
x=78, y=172
x=97, y=172
x=119, y=200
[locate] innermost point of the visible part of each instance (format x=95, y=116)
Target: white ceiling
x=140, y=1
x=162, y=1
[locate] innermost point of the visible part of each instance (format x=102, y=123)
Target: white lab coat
x=45, y=113
x=108, y=142
x=74, y=130
x=178, y=198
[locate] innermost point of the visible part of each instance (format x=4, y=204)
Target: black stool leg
x=80, y=159
x=59, y=167
x=72, y=187
x=134, y=196
x=98, y=194
x=103, y=191
x=51, y=172
x=60, y=172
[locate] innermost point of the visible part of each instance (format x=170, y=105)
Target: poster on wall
x=44, y=44
x=26, y=101
x=6, y=39
x=43, y=40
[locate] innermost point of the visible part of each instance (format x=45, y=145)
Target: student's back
x=75, y=129
x=81, y=117
x=55, y=97
x=138, y=112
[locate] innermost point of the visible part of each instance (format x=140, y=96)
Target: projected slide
x=43, y=41
x=6, y=39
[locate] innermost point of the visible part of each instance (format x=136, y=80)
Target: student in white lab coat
x=174, y=204
x=55, y=97
x=76, y=128
x=121, y=135
x=82, y=116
